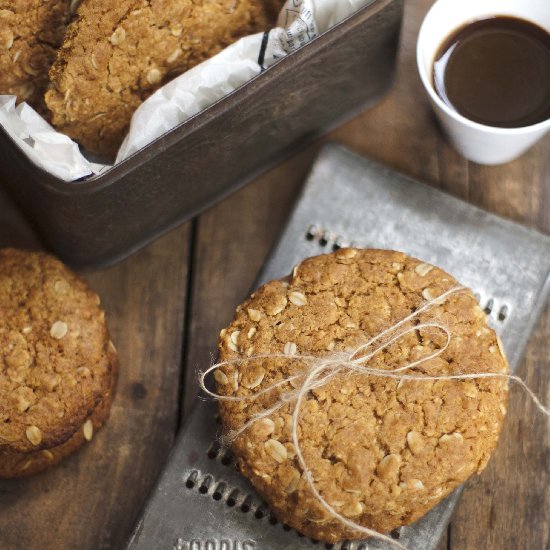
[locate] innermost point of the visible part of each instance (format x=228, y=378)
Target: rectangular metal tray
x=201, y=501
x=215, y=152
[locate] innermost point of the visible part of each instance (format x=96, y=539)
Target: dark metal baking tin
x=209, y=156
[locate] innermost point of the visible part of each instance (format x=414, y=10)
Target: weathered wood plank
x=232, y=241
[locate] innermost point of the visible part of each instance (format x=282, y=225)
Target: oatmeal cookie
x=16, y=465
x=57, y=359
x=382, y=451
x=30, y=33
x=116, y=54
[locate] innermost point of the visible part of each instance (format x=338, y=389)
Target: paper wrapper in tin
x=300, y=21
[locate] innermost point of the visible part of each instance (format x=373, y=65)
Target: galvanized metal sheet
x=201, y=501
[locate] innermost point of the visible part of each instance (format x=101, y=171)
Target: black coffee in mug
x=496, y=71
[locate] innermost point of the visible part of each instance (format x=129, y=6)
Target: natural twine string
x=321, y=370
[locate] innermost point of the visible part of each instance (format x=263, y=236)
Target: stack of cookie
x=58, y=364
x=114, y=55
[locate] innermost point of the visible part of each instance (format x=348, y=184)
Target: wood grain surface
x=166, y=304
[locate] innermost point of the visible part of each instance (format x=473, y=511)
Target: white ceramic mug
x=477, y=142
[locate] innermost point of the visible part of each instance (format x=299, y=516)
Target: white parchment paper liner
x=299, y=22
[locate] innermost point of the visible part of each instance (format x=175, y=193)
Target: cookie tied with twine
x=360, y=392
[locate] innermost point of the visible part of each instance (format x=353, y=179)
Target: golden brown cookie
x=117, y=53
x=17, y=465
x=30, y=33
x=382, y=451
x=56, y=356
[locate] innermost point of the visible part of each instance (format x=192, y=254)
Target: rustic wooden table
x=167, y=303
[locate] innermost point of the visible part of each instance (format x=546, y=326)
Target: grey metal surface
x=201, y=501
